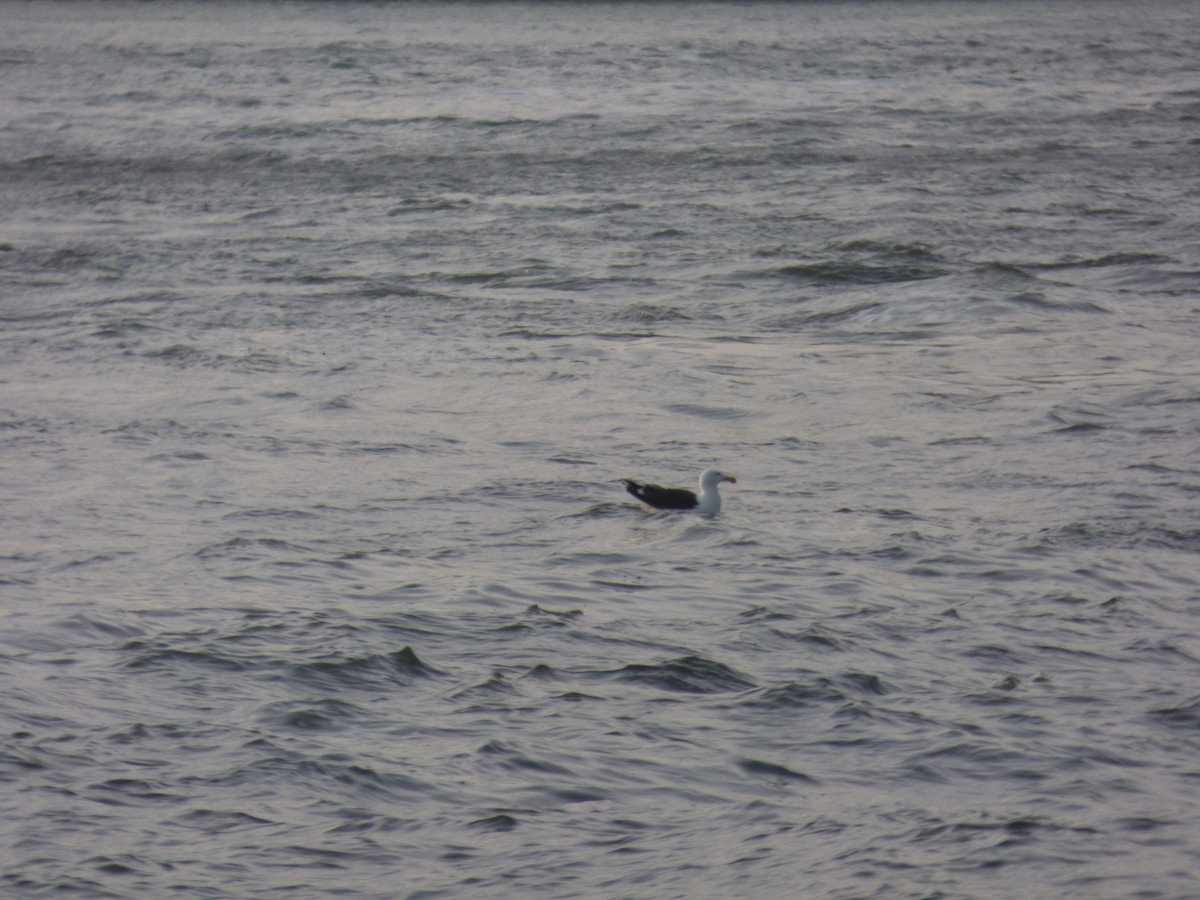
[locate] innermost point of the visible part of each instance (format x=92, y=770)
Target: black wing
x=660, y=497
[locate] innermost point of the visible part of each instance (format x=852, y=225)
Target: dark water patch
x=997, y=696
x=1009, y=831
x=889, y=250
x=1100, y=754
x=430, y=204
x=98, y=627
x=593, y=209
x=88, y=561
x=1083, y=428
x=337, y=776
x=861, y=683
x=317, y=715
x=646, y=312
x=165, y=429
x=1003, y=276
x=494, y=687
x=415, y=626
x=501, y=822
x=183, y=355
x=773, y=772
x=506, y=493
x=542, y=672
x=155, y=655
x=711, y=412
x=854, y=274
x=124, y=329
x=218, y=821
x=1144, y=824
x=180, y=456
x=557, y=616
x=120, y=865
x=372, y=672
x=16, y=763
x=596, y=559
x=270, y=513
x=579, y=697
x=248, y=154
x=794, y=695
x=1119, y=533
x=1162, y=397
x=359, y=821
x=688, y=675
x=175, y=733
x=63, y=885
x=132, y=792
x=1041, y=302
x=498, y=753
x=1077, y=653
x=558, y=797
x=764, y=614
x=432, y=446
x=80, y=260
x=965, y=440
x=1162, y=648
x=498, y=278
x=813, y=639
x=258, y=214
x=547, y=334
x=187, y=356
x=978, y=758
x=337, y=404
x=1185, y=717
x=1103, y=262
x=1007, y=657
x=240, y=549
x=832, y=315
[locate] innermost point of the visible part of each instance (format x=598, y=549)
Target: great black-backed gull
x=708, y=501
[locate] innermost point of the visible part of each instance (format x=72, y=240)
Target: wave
x=687, y=674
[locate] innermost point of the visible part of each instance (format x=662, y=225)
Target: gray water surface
x=327, y=331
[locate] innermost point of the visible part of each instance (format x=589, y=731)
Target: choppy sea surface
x=327, y=330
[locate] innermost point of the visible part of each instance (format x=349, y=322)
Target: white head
x=710, y=478
x=710, y=500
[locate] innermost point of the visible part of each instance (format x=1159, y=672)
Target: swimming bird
x=708, y=501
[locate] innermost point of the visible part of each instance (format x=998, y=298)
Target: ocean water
x=327, y=331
